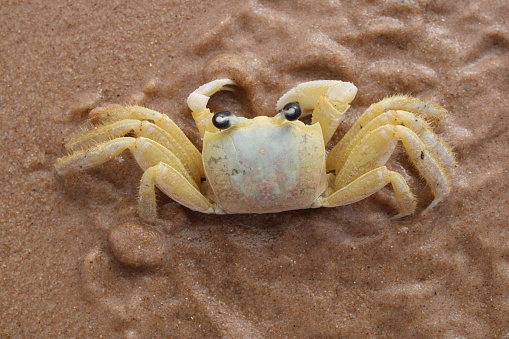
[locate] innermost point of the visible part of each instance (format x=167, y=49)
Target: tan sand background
x=75, y=261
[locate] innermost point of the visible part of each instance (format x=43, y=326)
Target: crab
x=271, y=164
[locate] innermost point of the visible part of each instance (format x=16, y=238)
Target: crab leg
x=85, y=159
x=133, y=119
x=375, y=149
x=146, y=152
x=369, y=183
x=162, y=168
x=198, y=100
x=102, y=133
x=328, y=100
x=441, y=151
x=343, y=148
x=176, y=186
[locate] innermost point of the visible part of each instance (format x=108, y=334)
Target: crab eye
x=221, y=119
x=292, y=111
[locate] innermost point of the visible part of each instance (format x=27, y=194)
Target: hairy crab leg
x=375, y=149
x=173, y=184
x=163, y=130
x=434, y=144
x=338, y=154
x=95, y=156
x=147, y=153
x=369, y=183
x=99, y=134
x=145, y=129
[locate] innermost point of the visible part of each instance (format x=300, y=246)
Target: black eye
x=221, y=120
x=292, y=111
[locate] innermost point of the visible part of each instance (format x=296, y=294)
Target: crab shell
x=265, y=164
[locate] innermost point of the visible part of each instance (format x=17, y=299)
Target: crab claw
x=309, y=93
x=197, y=101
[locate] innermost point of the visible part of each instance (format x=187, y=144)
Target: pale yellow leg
x=122, y=120
x=176, y=186
x=162, y=168
x=85, y=159
x=328, y=100
x=147, y=130
x=338, y=154
x=198, y=100
x=371, y=152
x=102, y=133
x=376, y=148
x=369, y=183
x=441, y=151
x=147, y=153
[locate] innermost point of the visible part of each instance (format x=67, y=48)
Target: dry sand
x=75, y=260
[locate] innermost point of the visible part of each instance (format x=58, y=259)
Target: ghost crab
x=270, y=164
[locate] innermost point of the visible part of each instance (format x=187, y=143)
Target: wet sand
x=76, y=261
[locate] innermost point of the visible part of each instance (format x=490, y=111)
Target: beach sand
x=77, y=262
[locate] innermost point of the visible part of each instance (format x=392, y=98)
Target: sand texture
x=77, y=262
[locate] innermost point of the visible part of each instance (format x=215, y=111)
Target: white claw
x=343, y=92
x=308, y=93
x=197, y=101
